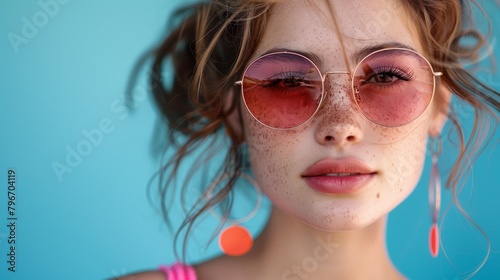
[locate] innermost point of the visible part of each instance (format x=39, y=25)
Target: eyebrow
x=362, y=53
x=357, y=56
x=313, y=57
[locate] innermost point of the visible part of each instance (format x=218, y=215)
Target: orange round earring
x=235, y=240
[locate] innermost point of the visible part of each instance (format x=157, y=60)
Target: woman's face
x=298, y=168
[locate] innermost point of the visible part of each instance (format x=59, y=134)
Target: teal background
x=94, y=221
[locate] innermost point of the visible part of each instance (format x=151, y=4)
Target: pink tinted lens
x=282, y=90
x=393, y=87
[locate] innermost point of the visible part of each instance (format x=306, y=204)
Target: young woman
x=332, y=104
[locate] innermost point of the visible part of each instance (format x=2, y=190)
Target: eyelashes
x=285, y=79
x=387, y=75
x=292, y=75
x=378, y=74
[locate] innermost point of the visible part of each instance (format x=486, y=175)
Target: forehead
x=309, y=26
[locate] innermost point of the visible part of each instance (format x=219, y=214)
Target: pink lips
x=338, y=176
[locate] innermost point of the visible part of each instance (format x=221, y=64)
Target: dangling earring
x=434, y=196
x=235, y=240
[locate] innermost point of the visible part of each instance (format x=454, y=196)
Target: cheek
x=274, y=155
x=403, y=165
x=267, y=147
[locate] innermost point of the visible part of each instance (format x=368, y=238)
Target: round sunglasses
x=391, y=87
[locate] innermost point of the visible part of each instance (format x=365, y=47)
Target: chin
x=347, y=220
x=342, y=224
x=349, y=216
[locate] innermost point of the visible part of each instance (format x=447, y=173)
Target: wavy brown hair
x=212, y=42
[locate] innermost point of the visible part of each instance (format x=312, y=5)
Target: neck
x=298, y=251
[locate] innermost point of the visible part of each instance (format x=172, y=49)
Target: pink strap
x=178, y=271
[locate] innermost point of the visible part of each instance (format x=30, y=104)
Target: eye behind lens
x=393, y=87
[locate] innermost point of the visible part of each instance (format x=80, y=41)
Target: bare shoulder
x=147, y=275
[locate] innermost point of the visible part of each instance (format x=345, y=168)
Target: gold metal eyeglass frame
x=354, y=89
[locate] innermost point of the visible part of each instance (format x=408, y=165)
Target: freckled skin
x=338, y=130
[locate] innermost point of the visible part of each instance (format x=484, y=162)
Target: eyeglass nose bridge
x=345, y=72
x=337, y=72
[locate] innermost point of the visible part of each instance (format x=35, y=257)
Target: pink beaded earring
x=435, y=196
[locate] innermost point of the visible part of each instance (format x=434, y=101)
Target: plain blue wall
x=67, y=78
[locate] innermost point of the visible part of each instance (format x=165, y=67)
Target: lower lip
x=339, y=184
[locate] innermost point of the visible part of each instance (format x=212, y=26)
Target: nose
x=339, y=118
